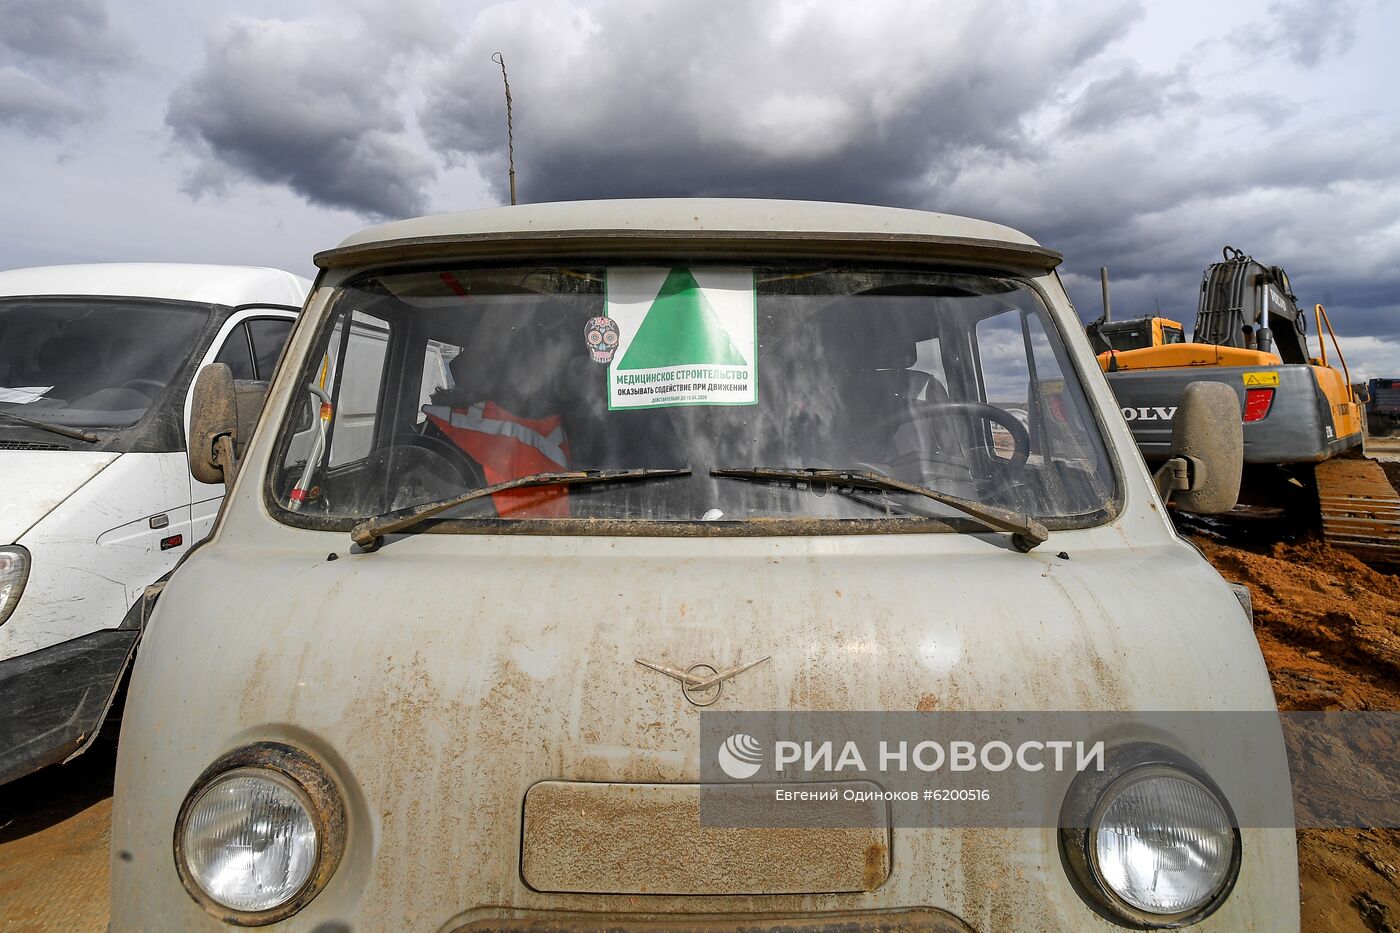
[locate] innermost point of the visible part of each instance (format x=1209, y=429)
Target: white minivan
x=620, y=512
x=96, y=499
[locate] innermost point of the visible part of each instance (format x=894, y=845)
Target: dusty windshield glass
x=428, y=384
x=91, y=362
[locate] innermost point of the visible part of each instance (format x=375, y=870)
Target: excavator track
x=1360, y=509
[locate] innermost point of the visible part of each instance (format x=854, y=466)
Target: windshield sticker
x=686, y=336
x=23, y=395
x=600, y=333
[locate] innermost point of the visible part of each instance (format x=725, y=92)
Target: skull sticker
x=600, y=333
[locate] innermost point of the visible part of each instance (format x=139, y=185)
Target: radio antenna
x=499, y=59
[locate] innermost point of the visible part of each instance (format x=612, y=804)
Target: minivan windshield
x=424, y=385
x=91, y=362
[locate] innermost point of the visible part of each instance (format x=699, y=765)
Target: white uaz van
x=451, y=661
x=96, y=499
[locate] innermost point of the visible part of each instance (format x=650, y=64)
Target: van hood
x=545, y=654
x=445, y=675
x=36, y=481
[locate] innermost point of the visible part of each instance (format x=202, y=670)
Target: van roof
x=609, y=226
x=176, y=281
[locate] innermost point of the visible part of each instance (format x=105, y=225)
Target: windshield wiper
x=367, y=532
x=75, y=433
x=1026, y=532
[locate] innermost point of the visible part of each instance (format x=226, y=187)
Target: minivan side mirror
x=223, y=414
x=1207, y=453
x=213, y=425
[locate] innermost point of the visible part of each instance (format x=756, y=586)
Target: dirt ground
x=55, y=829
x=1329, y=627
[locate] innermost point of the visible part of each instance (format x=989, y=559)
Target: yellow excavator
x=1302, y=418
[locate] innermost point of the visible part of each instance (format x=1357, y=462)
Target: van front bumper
x=917, y=920
x=56, y=697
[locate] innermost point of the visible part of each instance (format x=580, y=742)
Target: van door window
x=928, y=359
x=1059, y=421
x=437, y=373
x=1026, y=372
x=1003, y=374
x=237, y=354
x=269, y=335
x=357, y=385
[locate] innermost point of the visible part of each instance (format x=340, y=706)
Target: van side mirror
x=223, y=413
x=213, y=425
x=1207, y=454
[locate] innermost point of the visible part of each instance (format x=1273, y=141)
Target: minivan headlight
x=250, y=841
x=14, y=573
x=1150, y=843
x=259, y=834
x=1162, y=842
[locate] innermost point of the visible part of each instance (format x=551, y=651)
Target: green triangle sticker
x=680, y=329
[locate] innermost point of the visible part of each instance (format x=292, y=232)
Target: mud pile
x=1328, y=623
x=1329, y=626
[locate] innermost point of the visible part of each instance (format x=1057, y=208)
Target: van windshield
x=427, y=384
x=91, y=362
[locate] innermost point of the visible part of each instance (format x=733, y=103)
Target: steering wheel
x=153, y=383
x=1020, y=438
x=999, y=476
x=413, y=469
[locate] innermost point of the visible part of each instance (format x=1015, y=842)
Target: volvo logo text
x=1149, y=414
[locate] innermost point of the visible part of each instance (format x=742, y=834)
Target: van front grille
x=29, y=445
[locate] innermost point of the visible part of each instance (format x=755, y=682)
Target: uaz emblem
x=700, y=683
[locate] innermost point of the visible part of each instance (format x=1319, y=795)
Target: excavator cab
x=1137, y=334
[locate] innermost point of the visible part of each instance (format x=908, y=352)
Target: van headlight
x=1159, y=847
x=14, y=573
x=259, y=834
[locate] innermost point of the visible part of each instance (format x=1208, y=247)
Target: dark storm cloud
x=31, y=105
x=943, y=106
x=1062, y=120
x=61, y=35
x=1127, y=94
x=52, y=52
x=768, y=99
x=1305, y=30
x=1316, y=203
x=309, y=104
x=1155, y=197
x=1139, y=197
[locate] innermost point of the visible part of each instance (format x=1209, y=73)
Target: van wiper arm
x=75, y=433
x=1026, y=532
x=370, y=530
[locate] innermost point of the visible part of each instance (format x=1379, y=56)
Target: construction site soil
x=1329, y=626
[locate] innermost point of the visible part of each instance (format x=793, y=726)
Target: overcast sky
x=1139, y=136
